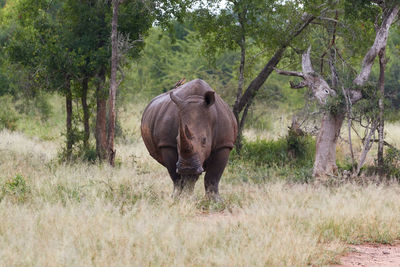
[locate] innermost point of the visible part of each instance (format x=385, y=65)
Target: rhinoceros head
x=194, y=135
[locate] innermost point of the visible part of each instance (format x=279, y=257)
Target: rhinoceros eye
x=203, y=141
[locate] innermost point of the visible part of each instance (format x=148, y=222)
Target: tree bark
x=113, y=82
x=101, y=117
x=379, y=44
x=68, y=105
x=325, y=154
x=85, y=108
x=381, y=87
x=240, y=87
x=368, y=141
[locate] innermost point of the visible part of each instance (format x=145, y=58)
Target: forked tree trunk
x=113, y=83
x=101, y=118
x=85, y=112
x=68, y=105
x=325, y=153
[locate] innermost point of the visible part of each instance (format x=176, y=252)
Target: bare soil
x=372, y=255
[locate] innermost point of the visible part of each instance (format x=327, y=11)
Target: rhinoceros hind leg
x=215, y=166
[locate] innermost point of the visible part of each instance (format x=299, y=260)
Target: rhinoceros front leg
x=215, y=166
x=182, y=183
x=170, y=157
x=188, y=182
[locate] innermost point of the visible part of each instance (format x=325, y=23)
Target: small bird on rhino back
x=190, y=130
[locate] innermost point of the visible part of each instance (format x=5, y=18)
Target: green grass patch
x=289, y=158
x=15, y=189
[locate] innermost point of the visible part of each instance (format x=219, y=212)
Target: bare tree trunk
x=113, y=82
x=381, y=86
x=349, y=122
x=239, y=92
x=101, y=118
x=68, y=105
x=367, y=146
x=241, y=122
x=325, y=154
x=85, y=112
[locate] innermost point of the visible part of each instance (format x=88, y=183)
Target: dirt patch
x=372, y=255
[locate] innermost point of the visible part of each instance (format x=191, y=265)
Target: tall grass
x=78, y=214
x=86, y=214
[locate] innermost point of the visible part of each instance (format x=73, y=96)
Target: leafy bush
x=15, y=188
x=289, y=158
x=290, y=150
x=392, y=162
x=43, y=106
x=8, y=115
x=391, y=165
x=78, y=153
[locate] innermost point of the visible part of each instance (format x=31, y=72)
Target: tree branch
x=289, y=73
x=299, y=85
x=306, y=62
x=379, y=43
x=251, y=90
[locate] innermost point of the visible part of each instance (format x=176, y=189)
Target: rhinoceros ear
x=209, y=98
x=176, y=99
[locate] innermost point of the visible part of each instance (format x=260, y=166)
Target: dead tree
x=325, y=157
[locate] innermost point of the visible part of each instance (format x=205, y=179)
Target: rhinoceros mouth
x=189, y=166
x=190, y=171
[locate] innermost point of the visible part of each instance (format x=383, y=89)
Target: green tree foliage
x=392, y=90
x=65, y=45
x=167, y=58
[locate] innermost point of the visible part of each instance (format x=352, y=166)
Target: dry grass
x=93, y=215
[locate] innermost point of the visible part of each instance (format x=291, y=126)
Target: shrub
x=78, y=153
x=290, y=158
x=391, y=164
x=290, y=150
x=8, y=115
x=43, y=106
x=16, y=189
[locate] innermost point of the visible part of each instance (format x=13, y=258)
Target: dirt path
x=372, y=255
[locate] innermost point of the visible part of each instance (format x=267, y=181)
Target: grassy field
x=56, y=214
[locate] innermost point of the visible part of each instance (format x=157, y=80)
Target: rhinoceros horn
x=185, y=136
